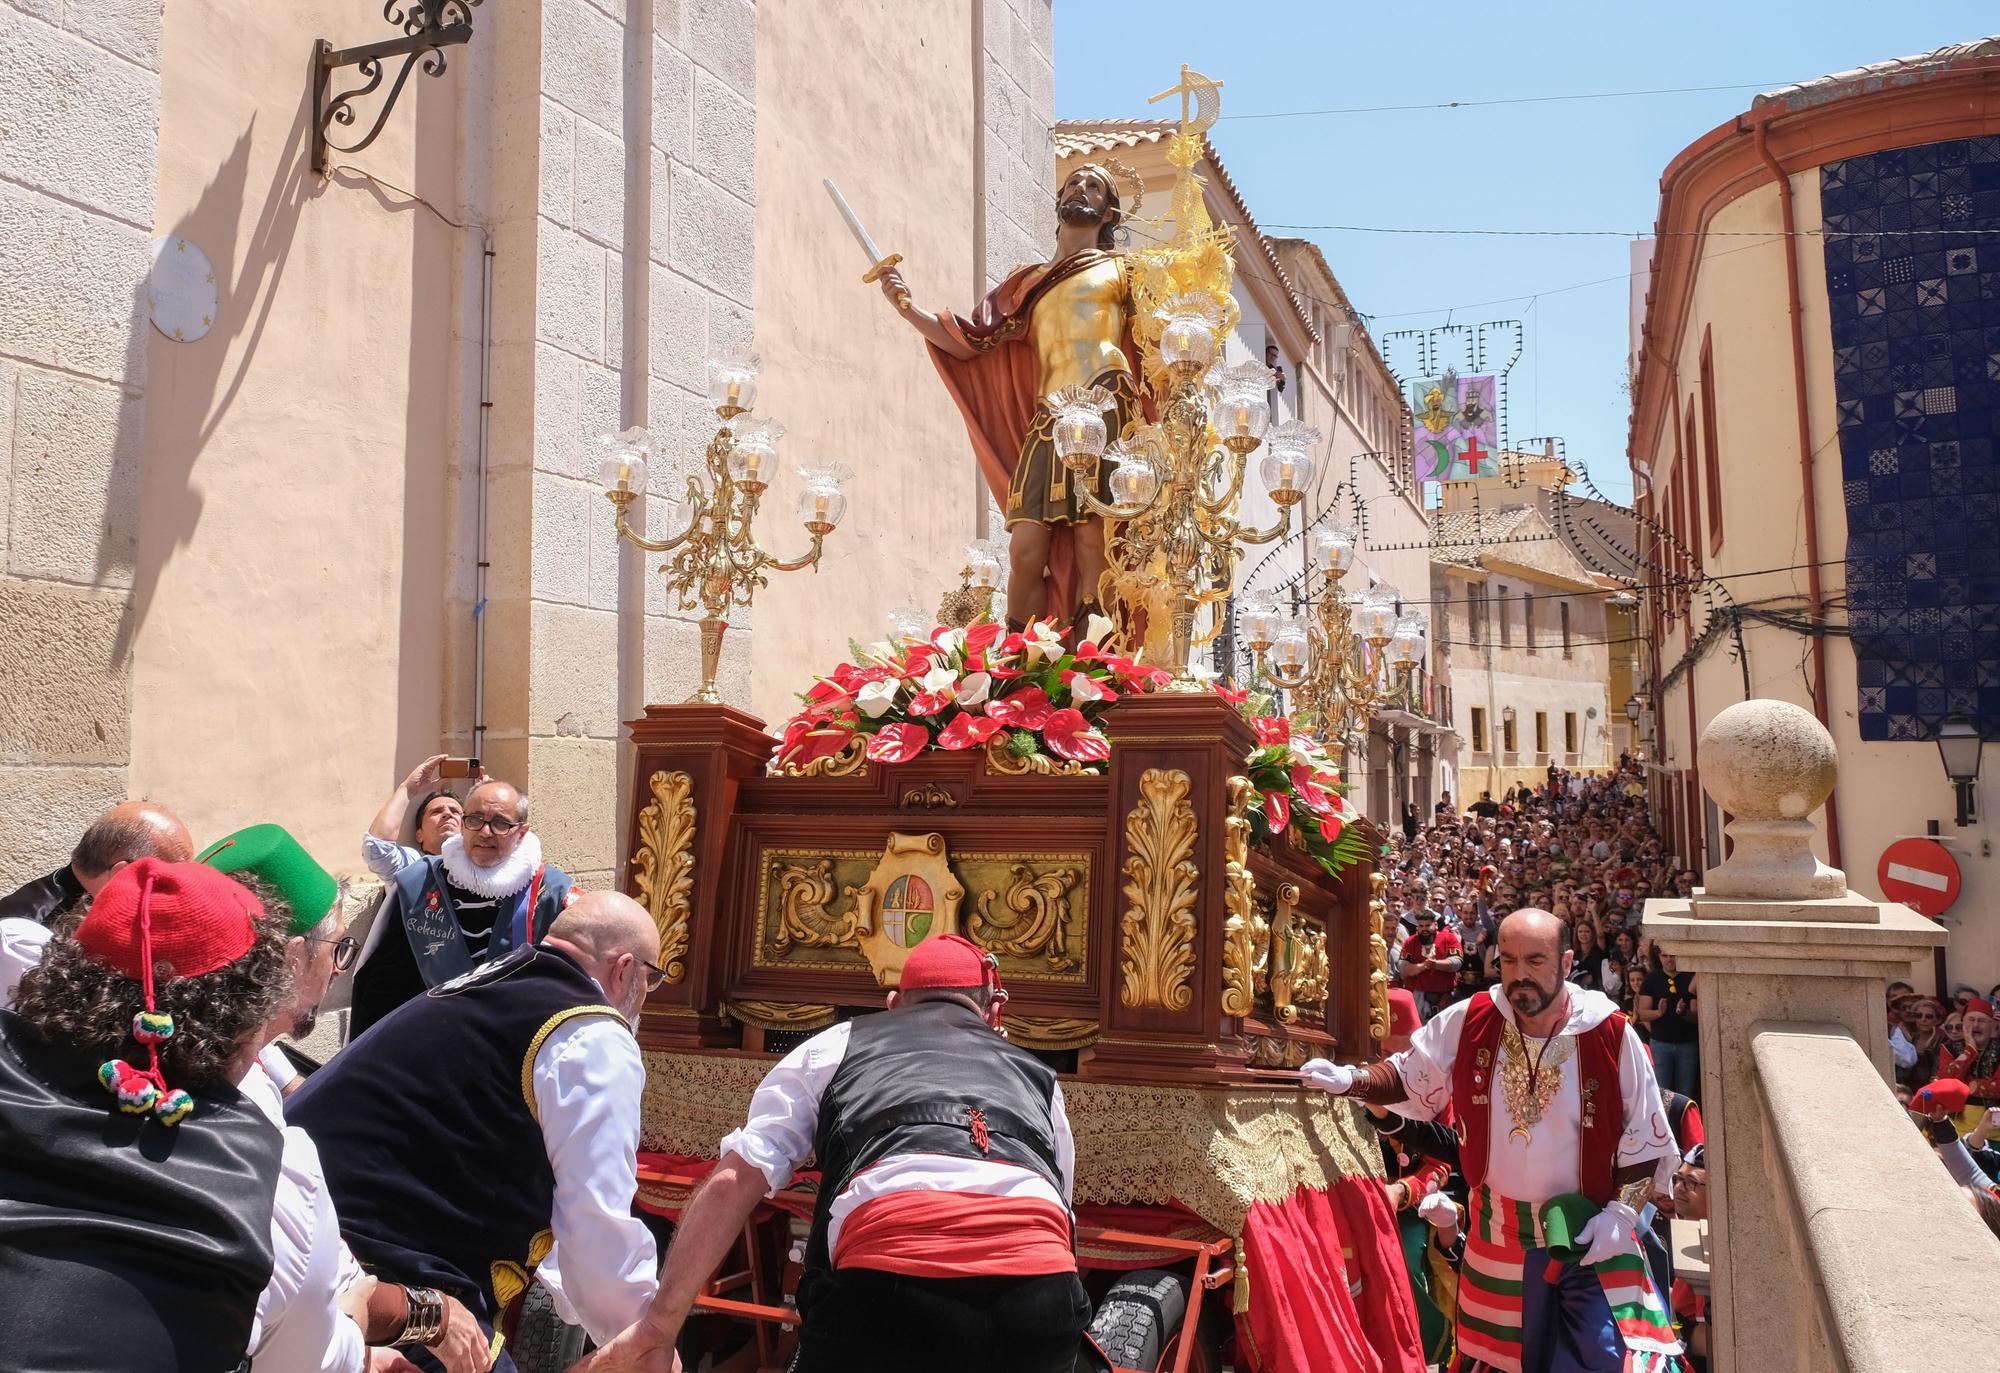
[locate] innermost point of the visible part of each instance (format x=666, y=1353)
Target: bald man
x=484, y=892
x=477, y=1125
x=1562, y=1140
x=127, y=832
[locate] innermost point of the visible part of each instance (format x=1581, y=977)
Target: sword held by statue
x=879, y=262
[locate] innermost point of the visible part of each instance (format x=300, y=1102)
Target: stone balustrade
x=1836, y=1235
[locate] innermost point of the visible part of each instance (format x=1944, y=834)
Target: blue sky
x=1584, y=164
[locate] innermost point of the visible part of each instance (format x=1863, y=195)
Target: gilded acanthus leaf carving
x=804, y=893
x=1036, y=917
x=1309, y=985
x=663, y=868
x=1285, y=955
x=1157, y=931
x=1378, y=959
x=1239, y=897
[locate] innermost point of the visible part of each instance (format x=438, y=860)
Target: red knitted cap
x=1946, y=1094
x=1402, y=1012
x=948, y=960
x=200, y=920
x=1979, y=1005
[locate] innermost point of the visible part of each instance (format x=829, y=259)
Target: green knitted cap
x=1563, y=1219
x=269, y=853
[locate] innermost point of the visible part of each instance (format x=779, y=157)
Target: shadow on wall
x=172, y=506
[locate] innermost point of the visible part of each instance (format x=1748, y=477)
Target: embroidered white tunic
x=1548, y=1162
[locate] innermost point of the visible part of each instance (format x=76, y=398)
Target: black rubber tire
x=1139, y=1316
x=543, y=1342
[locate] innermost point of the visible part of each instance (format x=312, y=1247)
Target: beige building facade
x=1802, y=380
x=244, y=573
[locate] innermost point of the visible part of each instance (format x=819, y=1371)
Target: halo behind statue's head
x=1123, y=181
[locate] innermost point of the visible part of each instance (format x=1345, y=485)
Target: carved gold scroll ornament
x=804, y=893
x=663, y=868
x=1036, y=918
x=1378, y=958
x=1157, y=930
x=1239, y=895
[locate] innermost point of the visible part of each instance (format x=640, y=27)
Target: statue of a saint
x=1050, y=325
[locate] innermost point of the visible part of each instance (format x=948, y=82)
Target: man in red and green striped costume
x=1562, y=1140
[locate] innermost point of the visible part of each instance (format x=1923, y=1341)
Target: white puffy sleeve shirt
x=589, y=1081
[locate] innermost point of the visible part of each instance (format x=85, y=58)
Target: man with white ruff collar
x=486, y=893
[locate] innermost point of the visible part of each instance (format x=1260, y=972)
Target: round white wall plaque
x=180, y=289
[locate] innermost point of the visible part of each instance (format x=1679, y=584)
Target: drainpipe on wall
x=1814, y=601
x=485, y=426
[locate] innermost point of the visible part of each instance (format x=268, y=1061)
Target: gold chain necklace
x=1528, y=1091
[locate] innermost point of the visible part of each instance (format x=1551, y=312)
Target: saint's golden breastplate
x=1077, y=325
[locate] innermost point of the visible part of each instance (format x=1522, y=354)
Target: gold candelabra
x=717, y=562
x=1178, y=484
x=1314, y=657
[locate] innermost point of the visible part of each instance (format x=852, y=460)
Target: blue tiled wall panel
x=1913, y=285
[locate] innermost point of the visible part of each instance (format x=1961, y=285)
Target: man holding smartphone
x=484, y=893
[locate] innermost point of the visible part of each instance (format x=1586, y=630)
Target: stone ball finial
x=1770, y=764
x=1767, y=760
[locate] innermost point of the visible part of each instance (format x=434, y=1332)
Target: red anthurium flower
x=980, y=637
x=930, y=702
x=1027, y=708
x=827, y=690
x=795, y=730
x=1330, y=827
x=1272, y=729
x=1068, y=734
x=1236, y=696
x=968, y=731
x=1309, y=792
x=1277, y=811
x=897, y=743
x=1004, y=674
x=819, y=743
x=1156, y=678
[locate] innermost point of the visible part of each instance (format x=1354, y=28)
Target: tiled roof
x=1899, y=71
x=1086, y=137
x=1459, y=536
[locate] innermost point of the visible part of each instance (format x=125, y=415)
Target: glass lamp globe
x=732, y=382
x=1291, y=647
x=1376, y=619
x=1243, y=406
x=908, y=622
x=1406, y=642
x=982, y=566
x=1188, y=325
x=1333, y=546
x=1260, y=621
x=1078, y=430
x=822, y=503
x=1287, y=468
x=621, y=464
x=753, y=456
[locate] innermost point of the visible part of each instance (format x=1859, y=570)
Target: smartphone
x=458, y=767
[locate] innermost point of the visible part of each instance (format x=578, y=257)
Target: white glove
x=1611, y=1232
x=1439, y=1210
x=1336, y=1078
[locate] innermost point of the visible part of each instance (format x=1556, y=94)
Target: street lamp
x=1632, y=708
x=1959, y=745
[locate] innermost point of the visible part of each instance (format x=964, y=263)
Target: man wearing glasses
x=490, y=1128
x=485, y=892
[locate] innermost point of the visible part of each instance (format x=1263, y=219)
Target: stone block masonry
x=79, y=141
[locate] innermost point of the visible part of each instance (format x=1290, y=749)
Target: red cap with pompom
x=1403, y=1012
x=1946, y=1094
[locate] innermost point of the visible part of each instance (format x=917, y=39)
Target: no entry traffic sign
x=1920, y=873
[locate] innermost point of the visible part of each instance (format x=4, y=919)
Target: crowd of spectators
x=1581, y=846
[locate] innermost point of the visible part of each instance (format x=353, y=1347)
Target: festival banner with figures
x=1456, y=428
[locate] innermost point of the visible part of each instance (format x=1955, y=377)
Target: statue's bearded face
x=1085, y=198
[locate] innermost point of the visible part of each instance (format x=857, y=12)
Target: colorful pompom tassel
x=136, y=1092
x=152, y=1027
x=173, y=1108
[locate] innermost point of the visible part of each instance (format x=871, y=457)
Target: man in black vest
x=136, y=1182
x=486, y=891
x=495, y=1120
x=943, y=1237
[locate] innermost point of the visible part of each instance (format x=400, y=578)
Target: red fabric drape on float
x=1302, y=1317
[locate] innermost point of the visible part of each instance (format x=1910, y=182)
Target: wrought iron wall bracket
x=429, y=26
